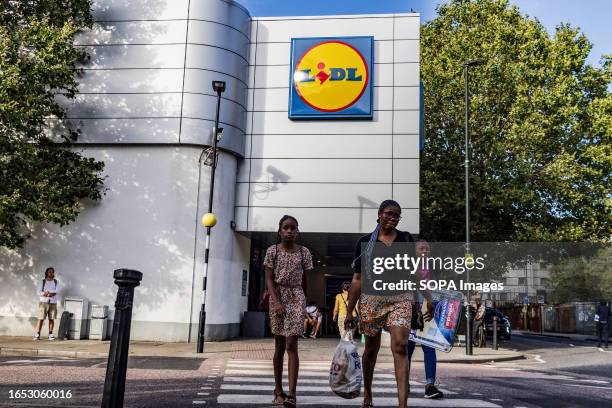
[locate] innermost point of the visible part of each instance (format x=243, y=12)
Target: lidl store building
x=320, y=120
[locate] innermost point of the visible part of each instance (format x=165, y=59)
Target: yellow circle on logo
x=331, y=76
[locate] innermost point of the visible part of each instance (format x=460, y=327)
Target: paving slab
x=243, y=348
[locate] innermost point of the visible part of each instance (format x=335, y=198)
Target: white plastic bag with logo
x=345, y=376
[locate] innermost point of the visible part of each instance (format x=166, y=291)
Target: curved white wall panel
x=156, y=60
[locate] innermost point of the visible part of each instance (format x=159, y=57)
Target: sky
x=594, y=17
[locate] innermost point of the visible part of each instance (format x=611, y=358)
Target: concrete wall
x=144, y=222
x=331, y=174
x=152, y=64
x=146, y=109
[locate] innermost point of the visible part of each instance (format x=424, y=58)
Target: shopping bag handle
x=348, y=335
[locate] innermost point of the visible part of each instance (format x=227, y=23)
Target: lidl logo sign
x=331, y=78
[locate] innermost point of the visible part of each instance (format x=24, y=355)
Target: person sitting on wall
x=313, y=318
x=47, y=303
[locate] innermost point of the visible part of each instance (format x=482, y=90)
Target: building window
x=521, y=281
x=503, y=296
x=544, y=282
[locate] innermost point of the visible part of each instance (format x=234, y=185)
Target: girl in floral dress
x=285, y=264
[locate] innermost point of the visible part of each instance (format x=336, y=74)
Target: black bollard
x=494, y=332
x=116, y=369
x=468, y=331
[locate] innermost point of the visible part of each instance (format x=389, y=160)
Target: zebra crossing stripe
x=253, y=399
x=249, y=383
x=308, y=363
x=303, y=373
x=270, y=366
x=310, y=388
x=268, y=361
x=308, y=380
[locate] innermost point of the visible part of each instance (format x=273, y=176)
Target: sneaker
x=432, y=392
x=36, y=336
x=51, y=337
x=304, y=336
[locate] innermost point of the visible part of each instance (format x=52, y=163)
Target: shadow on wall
x=274, y=178
x=134, y=226
x=363, y=204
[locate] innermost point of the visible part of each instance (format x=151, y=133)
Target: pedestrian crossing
x=251, y=382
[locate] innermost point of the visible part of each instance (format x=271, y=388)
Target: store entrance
x=332, y=256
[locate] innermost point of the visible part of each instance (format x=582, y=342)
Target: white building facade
x=146, y=108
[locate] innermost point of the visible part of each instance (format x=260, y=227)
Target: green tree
x=541, y=121
x=582, y=278
x=43, y=179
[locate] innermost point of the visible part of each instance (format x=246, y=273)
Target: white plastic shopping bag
x=345, y=376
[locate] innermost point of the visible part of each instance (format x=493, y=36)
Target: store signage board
x=331, y=78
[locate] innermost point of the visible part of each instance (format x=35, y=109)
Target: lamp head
x=218, y=86
x=473, y=63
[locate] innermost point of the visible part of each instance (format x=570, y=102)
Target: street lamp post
x=209, y=220
x=468, y=327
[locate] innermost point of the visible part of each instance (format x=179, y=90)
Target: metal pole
x=541, y=319
x=494, y=332
x=202, y=323
x=468, y=327
x=116, y=369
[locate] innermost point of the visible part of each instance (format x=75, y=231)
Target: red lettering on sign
x=451, y=314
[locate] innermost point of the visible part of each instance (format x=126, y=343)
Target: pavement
x=556, y=372
x=245, y=349
x=568, y=336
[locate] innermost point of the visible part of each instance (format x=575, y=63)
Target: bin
x=585, y=317
x=567, y=318
x=551, y=319
x=77, y=325
x=98, y=322
x=254, y=324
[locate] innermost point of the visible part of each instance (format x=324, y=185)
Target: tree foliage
x=42, y=177
x=541, y=128
x=582, y=278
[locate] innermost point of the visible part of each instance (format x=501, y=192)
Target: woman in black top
x=377, y=312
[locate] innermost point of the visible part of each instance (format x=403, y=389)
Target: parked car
x=504, y=329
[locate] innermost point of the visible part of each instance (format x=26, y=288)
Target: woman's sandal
x=367, y=404
x=279, y=394
x=290, y=401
